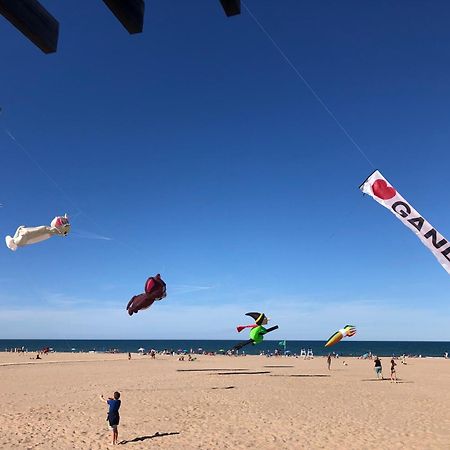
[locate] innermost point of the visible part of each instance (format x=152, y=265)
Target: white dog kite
x=59, y=226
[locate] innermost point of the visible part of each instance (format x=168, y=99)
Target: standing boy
x=113, y=414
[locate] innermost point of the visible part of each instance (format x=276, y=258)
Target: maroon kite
x=155, y=289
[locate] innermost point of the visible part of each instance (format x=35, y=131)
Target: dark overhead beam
x=34, y=21
x=231, y=7
x=130, y=13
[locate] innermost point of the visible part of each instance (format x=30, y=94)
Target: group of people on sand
x=336, y=356
x=379, y=370
x=190, y=358
x=114, y=402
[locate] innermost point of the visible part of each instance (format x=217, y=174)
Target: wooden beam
x=34, y=21
x=130, y=13
x=231, y=7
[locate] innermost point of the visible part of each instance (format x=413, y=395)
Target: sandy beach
x=220, y=402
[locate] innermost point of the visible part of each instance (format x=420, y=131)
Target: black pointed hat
x=259, y=317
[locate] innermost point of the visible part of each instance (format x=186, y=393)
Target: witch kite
x=155, y=289
x=257, y=331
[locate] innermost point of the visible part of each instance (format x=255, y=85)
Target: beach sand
x=169, y=404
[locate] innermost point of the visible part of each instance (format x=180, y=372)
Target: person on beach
x=378, y=368
x=129, y=356
x=113, y=414
x=393, y=372
x=329, y=361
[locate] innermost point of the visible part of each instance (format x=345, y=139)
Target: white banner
x=377, y=187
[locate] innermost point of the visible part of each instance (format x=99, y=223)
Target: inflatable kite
x=59, y=226
x=348, y=330
x=257, y=331
x=155, y=289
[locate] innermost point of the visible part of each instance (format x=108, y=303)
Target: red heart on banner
x=382, y=190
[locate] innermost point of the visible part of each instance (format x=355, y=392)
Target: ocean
x=344, y=348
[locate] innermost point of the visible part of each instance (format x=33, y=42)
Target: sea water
x=346, y=347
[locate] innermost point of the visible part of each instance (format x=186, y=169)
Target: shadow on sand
x=205, y=370
x=306, y=375
x=399, y=381
x=274, y=367
x=144, y=438
x=242, y=373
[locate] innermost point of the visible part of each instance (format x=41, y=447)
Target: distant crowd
x=303, y=353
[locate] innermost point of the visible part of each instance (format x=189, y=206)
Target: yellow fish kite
x=348, y=330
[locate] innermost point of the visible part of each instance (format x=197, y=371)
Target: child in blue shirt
x=113, y=414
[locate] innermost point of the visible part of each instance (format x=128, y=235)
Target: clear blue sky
x=197, y=150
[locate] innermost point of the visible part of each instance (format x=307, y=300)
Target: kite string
x=308, y=85
x=61, y=190
x=44, y=172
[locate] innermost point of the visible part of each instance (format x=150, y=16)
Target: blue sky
x=198, y=152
